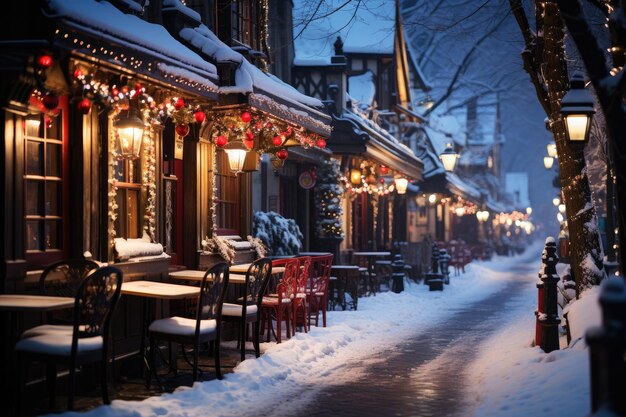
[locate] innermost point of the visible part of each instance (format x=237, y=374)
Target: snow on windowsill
x=130, y=249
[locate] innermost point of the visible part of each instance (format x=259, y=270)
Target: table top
x=194, y=275
x=372, y=253
x=314, y=253
x=38, y=303
x=345, y=267
x=243, y=268
x=163, y=290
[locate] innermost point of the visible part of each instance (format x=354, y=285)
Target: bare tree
x=545, y=62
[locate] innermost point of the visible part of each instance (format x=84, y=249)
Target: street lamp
x=577, y=110
x=401, y=185
x=355, y=176
x=129, y=126
x=236, y=152
x=548, y=161
x=551, y=147
x=448, y=158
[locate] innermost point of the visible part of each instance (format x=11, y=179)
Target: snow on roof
x=516, y=185
x=437, y=139
x=364, y=27
x=248, y=78
x=379, y=130
x=475, y=156
x=469, y=190
x=176, y=4
x=130, y=30
x=362, y=88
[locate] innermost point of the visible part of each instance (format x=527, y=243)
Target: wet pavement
x=423, y=376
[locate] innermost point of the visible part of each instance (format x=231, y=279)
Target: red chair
x=317, y=290
x=278, y=304
x=300, y=301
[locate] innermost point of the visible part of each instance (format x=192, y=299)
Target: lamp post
x=449, y=158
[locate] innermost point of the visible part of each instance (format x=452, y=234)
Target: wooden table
x=243, y=268
x=160, y=290
x=370, y=267
x=197, y=276
x=34, y=303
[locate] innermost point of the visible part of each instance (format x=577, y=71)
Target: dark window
x=244, y=15
x=43, y=181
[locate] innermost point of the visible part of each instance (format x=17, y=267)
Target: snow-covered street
x=434, y=353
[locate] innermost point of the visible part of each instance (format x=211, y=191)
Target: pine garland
x=259, y=247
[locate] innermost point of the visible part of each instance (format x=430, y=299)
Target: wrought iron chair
x=204, y=328
x=249, y=308
x=278, y=304
x=95, y=301
x=317, y=289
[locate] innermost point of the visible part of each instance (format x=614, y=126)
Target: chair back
x=257, y=279
x=320, y=273
x=63, y=278
x=303, y=275
x=95, y=302
x=286, y=288
x=212, y=292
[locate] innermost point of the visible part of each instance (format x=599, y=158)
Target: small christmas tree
x=328, y=193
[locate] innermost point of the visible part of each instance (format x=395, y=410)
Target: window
x=128, y=199
x=244, y=22
x=43, y=181
x=228, y=187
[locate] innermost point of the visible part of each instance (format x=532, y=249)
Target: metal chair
x=278, y=303
x=248, y=310
x=87, y=342
x=300, y=305
x=204, y=328
x=317, y=290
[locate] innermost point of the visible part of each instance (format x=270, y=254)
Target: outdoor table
x=243, y=268
x=347, y=281
x=197, y=276
x=314, y=253
x=371, y=257
x=15, y=305
x=150, y=291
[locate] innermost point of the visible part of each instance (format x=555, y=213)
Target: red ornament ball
x=382, y=180
x=180, y=103
x=248, y=143
x=282, y=154
x=384, y=169
x=269, y=125
x=246, y=117
x=182, y=129
x=50, y=101
x=44, y=61
x=115, y=91
x=125, y=89
x=321, y=143
x=277, y=140
x=78, y=73
x=249, y=135
x=289, y=130
x=138, y=88
x=220, y=141
x=199, y=115
x=84, y=106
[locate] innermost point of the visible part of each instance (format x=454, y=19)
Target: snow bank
x=584, y=313
x=317, y=359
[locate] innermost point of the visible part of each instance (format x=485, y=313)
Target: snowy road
x=423, y=376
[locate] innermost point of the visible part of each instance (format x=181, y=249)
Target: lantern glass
x=449, y=158
x=577, y=126
x=401, y=185
x=548, y=161
x=236, y=159
x=130, y=133
x=551, y=149
x=556, y=201
x=432, y=199
x=355, y=176
x=561, y=208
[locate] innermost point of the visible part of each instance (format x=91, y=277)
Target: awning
x=354, y=135
x=99, y=32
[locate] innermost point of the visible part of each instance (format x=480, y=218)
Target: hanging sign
x=306, y=180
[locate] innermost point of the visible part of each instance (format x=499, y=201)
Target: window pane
x=34, y=197
x=132, y=205
x=33, y=235
x=53, y=199
x=34, y=158
x=53, y=240
x=53, y=132
x=33, y=126
x=53, y=160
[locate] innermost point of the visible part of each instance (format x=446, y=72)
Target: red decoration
x=321, y=143
x=50, y=101
x=282, y=154
x=44, y=61
x=249, y=135
x=384, y=169
x=84, y=106
x=125, y=89
x=246, y=117
x=199, y=115
x=249, y=144
x=289, y=130
x=277, y=140
x=138, y=88
x=115, y=91
x=268, y=125
x=182, y=129
x=180, y=103
x=78, y=73
x=48, y=122
x=220, y=141
x=382, y=180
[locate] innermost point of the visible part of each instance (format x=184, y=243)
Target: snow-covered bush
x=281, y=236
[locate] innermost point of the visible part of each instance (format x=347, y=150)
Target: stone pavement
x=423, y=377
